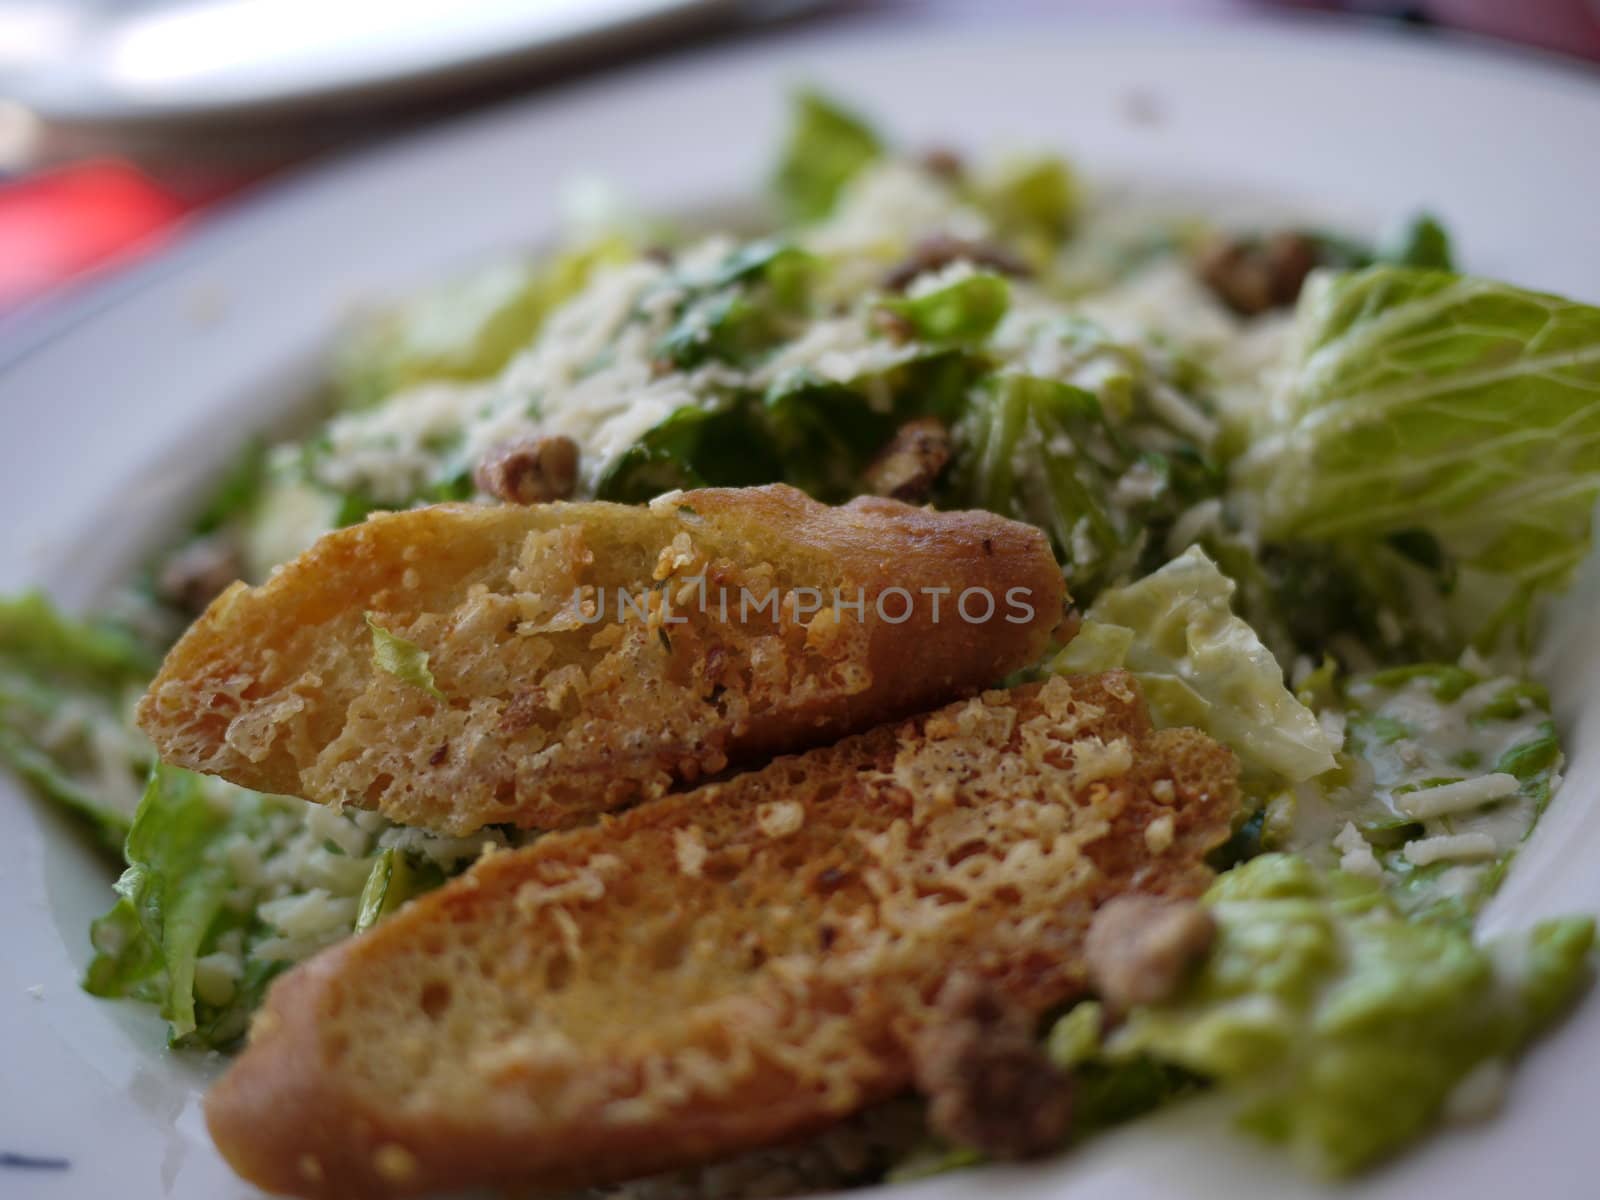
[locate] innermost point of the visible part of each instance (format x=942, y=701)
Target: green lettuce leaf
x=1342, y=1028
x=405, y=660
x=721, y=446
x=64, y=689
x=465, y=330
x=170, y=895
x=51, y=780
x=827, y=146
x=396, y=877
x=35, y=637
x=1106, y=452
x=826, y=433
x=1043, y=451
x=1449, y=412
x=749, y=304
x=965, y=311
x=1033, y=195
x=1201, y=665
x=238, y=491
x=1420, y=242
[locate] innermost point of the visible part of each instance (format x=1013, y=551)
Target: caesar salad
x=1286, y=504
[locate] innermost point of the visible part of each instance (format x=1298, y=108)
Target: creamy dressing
x=1423, y=790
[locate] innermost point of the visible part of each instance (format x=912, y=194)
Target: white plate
x=111, y=417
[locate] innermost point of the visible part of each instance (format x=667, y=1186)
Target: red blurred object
x=1568, y=26
x=65, y=222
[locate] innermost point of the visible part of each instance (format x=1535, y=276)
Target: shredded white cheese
x=1356, y=857
x=1449, y=848
x=1427, y=803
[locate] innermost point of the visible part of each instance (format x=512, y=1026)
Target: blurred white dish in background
x=150, y=62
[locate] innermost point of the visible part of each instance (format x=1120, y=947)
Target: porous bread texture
x=724, y=968
x=547, y=720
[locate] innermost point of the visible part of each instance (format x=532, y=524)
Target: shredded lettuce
x=1201, y=665
x=395, y=878
x=405, y=660
x=1044, y=452
x=1342, y=1028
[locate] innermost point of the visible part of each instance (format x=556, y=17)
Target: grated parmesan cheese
x=1449, y=848
x=1427, y=803
x=1356, y=857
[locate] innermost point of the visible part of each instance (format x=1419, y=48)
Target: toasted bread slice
x=553, y=698
x=722, y=968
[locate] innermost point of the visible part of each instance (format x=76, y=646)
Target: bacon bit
x=989, y=1084
x=908, y=467
x=893, y=325
x=944, y=163
x=534, y=471
x=1253, y=275
x=198, y=573
x=1140, y=947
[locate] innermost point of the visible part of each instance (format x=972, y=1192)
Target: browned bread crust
x=723, y=968
x=546, y=721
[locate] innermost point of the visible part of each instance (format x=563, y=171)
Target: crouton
x=581, y=657
x=600, y=1004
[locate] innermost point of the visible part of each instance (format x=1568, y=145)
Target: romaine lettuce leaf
x=1093, y=440
x=1033, y=200
x=226, y=887
x=237, y=491
x=1341, y=1027
x=1042, y=451
x=753, y=301
x=35, y=637
x=826, y=147
x=826, y=433
x=53, y=781
x=64, y=690
x=396, y=877
x=172, y=892
x=465, y=330
x=721, y=446
x=1201, y=665
x=1444, y=411
x=1420, y=242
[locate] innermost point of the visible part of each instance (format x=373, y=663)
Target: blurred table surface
x=78, y=203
